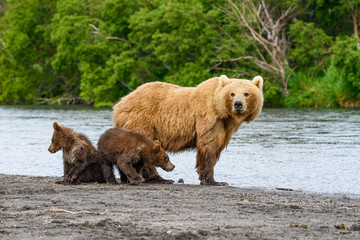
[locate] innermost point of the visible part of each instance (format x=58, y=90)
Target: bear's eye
x=232, y=94
x=246, y=94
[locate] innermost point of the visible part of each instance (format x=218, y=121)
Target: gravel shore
x=37, y=208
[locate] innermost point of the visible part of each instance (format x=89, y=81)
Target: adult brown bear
x=202, y=117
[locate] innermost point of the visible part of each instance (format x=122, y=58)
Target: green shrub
x=272, y=94
x=327, y=89
x=346, y=58
x=310, y=44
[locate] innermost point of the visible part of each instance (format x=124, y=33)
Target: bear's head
x=61, y=137
x=159, y=158
x=239, y=98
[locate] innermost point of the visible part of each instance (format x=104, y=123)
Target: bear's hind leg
x=92, y=173
x=107, y=169
x=123, y=177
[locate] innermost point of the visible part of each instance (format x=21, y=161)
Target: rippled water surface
x=305, y=149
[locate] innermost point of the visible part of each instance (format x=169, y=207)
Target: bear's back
x=149, y=96
x=157, y=108
x=117, y=140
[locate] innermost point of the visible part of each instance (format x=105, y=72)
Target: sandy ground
x=37, y=208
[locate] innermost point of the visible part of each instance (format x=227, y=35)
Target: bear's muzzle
x=238, y=106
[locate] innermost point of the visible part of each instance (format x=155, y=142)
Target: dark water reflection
x=304, y=149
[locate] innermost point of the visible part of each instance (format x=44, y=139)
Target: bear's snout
x=238, y=105
x=51, y=150
x=169, y=167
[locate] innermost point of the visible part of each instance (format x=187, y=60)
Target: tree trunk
x=268, y=34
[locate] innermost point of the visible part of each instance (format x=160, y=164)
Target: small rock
x=26, y=207
x=86, y=223
x=168, y=232
x=104, y=222
x=181, y=180
x=355, y=227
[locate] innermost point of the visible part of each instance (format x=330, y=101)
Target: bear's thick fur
x=80, y=156
x=202, y=117
x=129, y=151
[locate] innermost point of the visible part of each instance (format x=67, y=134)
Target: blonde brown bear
x=202, y=117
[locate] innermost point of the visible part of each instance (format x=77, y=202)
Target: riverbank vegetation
x=96, y=51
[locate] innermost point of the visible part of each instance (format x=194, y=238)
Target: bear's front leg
x=151, y=175
x=205, y=163
x=67, y=168
x=133, y=177
x=72, y=176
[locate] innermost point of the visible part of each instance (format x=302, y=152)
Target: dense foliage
x=96, y=51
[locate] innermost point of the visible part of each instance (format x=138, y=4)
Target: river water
x=308, y=150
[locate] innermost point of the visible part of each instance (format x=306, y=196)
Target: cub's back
x=117, y=140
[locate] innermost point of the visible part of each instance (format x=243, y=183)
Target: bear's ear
x=223, y=80
x=156, y=147
x=258, y=81
x=56, y=126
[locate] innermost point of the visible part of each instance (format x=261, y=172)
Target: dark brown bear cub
x=80, y=156
x=129, y=151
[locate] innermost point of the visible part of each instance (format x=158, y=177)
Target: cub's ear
x=223, y=80
x=258, y=81
x=156, y=147
x=56, y=126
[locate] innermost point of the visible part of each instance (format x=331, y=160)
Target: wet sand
x=37, y=208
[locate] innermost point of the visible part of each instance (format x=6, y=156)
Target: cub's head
x=239, y=97
x=159, y=157
x=60, y=138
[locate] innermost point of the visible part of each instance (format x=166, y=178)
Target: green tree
x=24, y=74
x=71, y=34
x=110, y=72
x=330, y=15
x=346, y=58
x=173, y=41
x=311, y=45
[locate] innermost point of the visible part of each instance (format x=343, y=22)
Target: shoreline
x=35, y=207
x=254, y=188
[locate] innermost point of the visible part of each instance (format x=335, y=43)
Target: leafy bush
x=346, y=57
x=311, y=44
x=327, y=89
